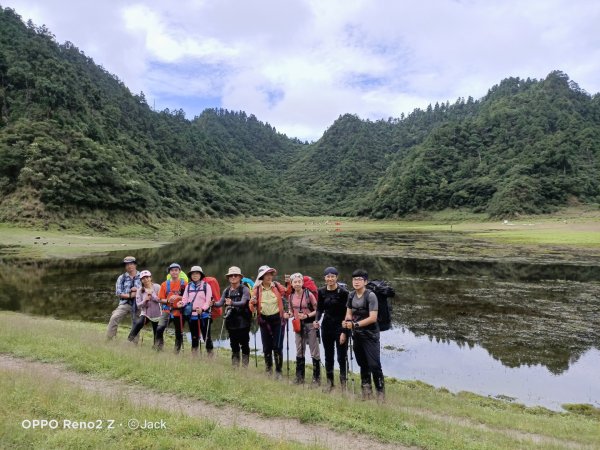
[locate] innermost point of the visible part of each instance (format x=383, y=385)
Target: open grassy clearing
x=415, y=414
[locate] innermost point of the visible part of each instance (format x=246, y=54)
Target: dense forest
x=74, y=141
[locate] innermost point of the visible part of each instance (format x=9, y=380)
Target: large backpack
x=309, y=283
x=384, y=292
x=216, y=294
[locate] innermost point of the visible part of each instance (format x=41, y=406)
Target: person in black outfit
x=361, y=319
x=237, y=316
x=331, y=306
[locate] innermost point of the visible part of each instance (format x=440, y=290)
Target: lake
x=509, y=329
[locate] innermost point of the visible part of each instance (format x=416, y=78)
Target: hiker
x=237, y=316
x=196, y=303
x=171, y=295
x=331, y=308
x=269, y=303
x=361, y=319
x=148, y=303
x=303, y=306
x=126, y=288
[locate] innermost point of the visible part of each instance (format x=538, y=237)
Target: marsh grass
x=415, y=413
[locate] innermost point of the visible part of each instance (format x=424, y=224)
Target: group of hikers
x=346, y=321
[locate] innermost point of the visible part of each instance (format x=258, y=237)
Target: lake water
x=517, y=330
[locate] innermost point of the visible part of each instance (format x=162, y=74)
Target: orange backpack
x=216, y=293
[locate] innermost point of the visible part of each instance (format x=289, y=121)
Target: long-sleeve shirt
x=124, y=284
x=148, y=302
x=199, y=294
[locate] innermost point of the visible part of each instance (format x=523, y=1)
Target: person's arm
x=243, y=299
x=186, y=295
x=121, y=294
x=313, y=302
x=320, y=305
x=221, y=302
x=205, y=303
x=140, y=297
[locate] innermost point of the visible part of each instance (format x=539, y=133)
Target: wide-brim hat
x=196, y=269
x=234, y=270
x=263, y=270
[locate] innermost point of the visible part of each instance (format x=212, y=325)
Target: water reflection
x=463, y=324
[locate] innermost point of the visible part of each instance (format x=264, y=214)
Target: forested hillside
x=74, y=141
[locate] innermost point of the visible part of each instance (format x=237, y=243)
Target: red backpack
x=309, y=283
x=216, y=294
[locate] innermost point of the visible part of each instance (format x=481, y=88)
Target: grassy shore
x=571, y=229
x=415, y=413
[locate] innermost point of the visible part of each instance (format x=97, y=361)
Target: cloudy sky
x=299, y=64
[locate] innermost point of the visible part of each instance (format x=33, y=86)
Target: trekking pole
x=350, y=349
x=221, y=335
x=255, y=351
x=287, y=345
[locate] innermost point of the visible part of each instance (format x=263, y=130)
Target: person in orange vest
x=171, y=296
x=270, y=305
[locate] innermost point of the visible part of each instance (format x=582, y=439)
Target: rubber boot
x=367, y=391
x=329, y=386
x=178, y=344
x=245, y=360
x=235, y=359
x=269, y=364
x=278, y=365
x=316, y=380
x=300, y=370
x=380, y=388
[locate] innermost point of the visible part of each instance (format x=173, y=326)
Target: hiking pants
x=240, y=340
x=331, y=345
x=118, y=315
x=272, y=332
x=178, y=324
x=138, y=327
x=206, y=329
x=308, y=335
x=194, y=329
x=367, y=352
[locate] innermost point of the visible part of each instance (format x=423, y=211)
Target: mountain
x=75, y=142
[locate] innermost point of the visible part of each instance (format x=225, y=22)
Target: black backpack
x=384, y=291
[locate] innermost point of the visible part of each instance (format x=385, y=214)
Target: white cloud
x=299, y=64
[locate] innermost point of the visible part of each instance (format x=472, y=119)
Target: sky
x=300, y=64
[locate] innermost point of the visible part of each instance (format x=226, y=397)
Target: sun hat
x=145, y=273
x=196, y=269
x=263, y=270
x=129, y=260
x=234, y=270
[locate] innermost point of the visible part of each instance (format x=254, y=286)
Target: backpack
x=384, y=291
x=309, y=283
x=187, y=309
x=216, y=312
x=182, y=276
x=182, y=287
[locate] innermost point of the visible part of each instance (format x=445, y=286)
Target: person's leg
x=208, y=335
x=313, y=345
x=195, y=332
x=234, y=340
x=115, y=318
x=163, y=324
x=267, y=343
x=135, y=316
x=136, y=328
x=342, y=354
x=278, y=326
x=361, y=359
x=178, y=322
x=373, y=356
x=244, y=340
x=328, y=347
x=154, y=329
x=300, y=361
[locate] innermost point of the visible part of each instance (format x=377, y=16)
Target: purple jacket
x=149, y=301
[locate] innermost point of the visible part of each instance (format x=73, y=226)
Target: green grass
x=31, y=396
x=551, y=237
x=415, y=413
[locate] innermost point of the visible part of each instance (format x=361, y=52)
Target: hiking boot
x=245, y=360
x=278, y=362
x=343, y=383
x=195, y=352
x=316, y=381
x=329, y=386
x=367, y=391
x=380, y=388
x=269, y=364
x=300, y=371
x=160, y=344
x=235, y=359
